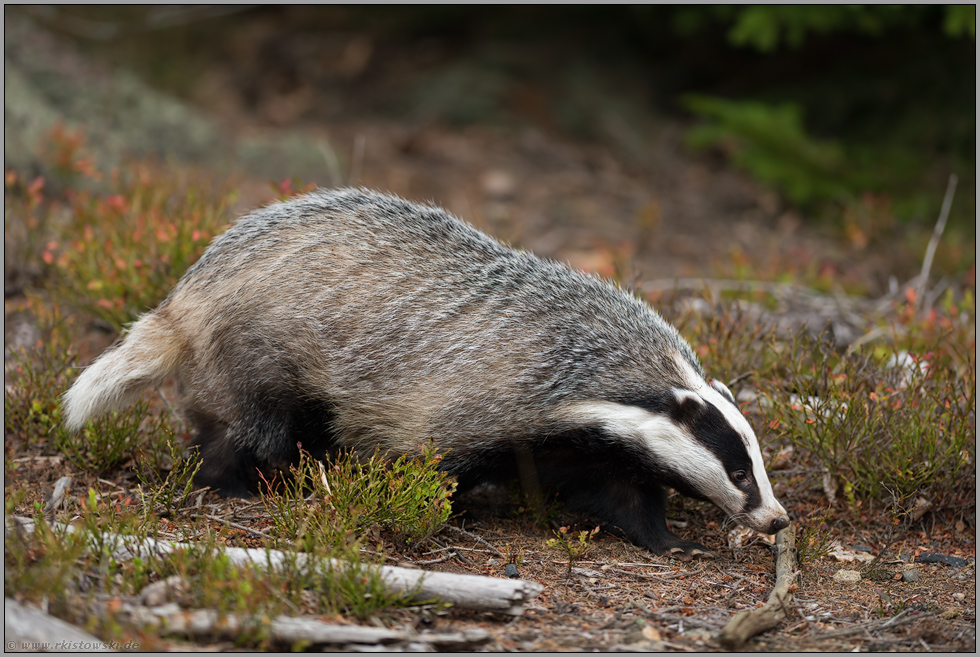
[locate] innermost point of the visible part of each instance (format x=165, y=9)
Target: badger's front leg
x=639, y=510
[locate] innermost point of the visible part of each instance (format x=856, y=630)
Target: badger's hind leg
x=262, y=443
x=225, y=467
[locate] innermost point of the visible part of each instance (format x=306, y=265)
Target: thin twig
x=233, y=525
x=478, y=539
x=934, y=241
x=453, y=552
x=357, y=159
x=445, y=557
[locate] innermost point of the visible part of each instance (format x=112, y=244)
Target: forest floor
x=635, y=204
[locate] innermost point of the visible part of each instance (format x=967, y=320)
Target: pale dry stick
x=288, y=631
x=429, y=562
x=749, y=623
x=934, y=240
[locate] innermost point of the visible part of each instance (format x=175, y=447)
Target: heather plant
x=902, y=421
x=121, y=252
x=39, y=373
x=26, y=229
x=39, y=565
x=733, y=346
x=813, y=538
x=408, y=496
x=113, y=243
x=107, y=442
x=166, y=494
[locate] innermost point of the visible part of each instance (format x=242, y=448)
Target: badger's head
x=699, y=442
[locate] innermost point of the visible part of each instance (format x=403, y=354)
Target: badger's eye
x=740, y=475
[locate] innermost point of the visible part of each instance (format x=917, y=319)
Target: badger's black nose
x=779, y=523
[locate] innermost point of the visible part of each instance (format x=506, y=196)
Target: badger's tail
x=150, y=351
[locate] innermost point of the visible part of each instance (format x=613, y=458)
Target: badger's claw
x=688, y=550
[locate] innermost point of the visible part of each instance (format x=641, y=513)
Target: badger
x=351, y=319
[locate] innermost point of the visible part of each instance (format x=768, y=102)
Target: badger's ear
x=687, y=405
x=723, y=389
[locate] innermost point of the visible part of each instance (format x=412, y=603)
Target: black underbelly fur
x=589, y=471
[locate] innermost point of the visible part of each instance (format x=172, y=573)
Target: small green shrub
x=121, y=252
x=732, y=345
x=114, y=243
x=39, y=374
x=106, y=443
x=770, y=143
x=574, y=548
x=40, y=565
x=165, y=496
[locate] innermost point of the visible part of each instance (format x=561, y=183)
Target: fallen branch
x=500, y=595
x=31, y=630
x=749, y=623
x=289, y=631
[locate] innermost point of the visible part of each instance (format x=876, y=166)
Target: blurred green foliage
x=898, y=126
x=770, y=143
x=767, y=28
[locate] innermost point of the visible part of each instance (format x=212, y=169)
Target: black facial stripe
x=707, y=423
x=753, y=497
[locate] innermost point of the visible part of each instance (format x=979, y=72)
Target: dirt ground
x=633, y=202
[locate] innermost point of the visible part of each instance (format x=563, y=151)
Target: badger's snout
x=782, y=522
x=766, y=520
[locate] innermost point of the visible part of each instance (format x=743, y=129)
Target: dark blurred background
x=679, y=132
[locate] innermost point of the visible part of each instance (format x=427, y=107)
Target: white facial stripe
x=770, y=507
x=670, y=444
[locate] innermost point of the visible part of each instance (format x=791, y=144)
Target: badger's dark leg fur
x=275, y=429
x=591, y=474
x=224, y=467
x=639, y=511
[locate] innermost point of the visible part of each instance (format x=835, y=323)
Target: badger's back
x=408, y=322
